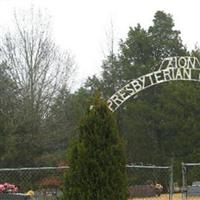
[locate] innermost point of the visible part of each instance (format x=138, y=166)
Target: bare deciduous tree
x=34, y=62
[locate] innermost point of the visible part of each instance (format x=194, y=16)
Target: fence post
x=171, y=183
x=183, y=189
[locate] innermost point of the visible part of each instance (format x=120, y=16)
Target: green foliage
x=33, y=70
x=143, y=119
x=162, y=123
x=165, y=40
x=61, y=125
x=97, y=159
x=8, y=109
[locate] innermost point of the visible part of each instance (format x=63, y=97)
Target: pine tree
x=97, y=159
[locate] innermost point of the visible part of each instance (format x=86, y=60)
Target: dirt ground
x=177, y=196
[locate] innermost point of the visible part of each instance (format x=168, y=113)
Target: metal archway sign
x=171, y=69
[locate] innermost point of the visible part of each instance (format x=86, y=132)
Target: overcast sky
x=82, y=26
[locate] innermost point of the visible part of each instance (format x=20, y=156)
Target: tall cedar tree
x=97, y=159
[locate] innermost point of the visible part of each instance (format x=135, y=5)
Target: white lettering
x=142, y=79
x=173, y=72
x=158, y=77
x=170, y=63
x=129, y=88
x=110, y=103
x=115, y=98
x=197, y=61
x=178, y=68
x=175, y=62
x=178, y=74
x=182, y=62
x=136, y=85
x=123, y=94
x=166, y=75
x=187, y=74
x=191, y=63
x=150, y=78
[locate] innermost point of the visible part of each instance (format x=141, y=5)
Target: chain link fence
x=44, y=181
x=191, y=181
x=144, y=182
x=151, y=182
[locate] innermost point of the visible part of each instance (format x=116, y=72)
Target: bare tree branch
x=39, y=68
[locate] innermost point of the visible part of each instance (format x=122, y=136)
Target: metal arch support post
x=184, y=192
x=171, y=183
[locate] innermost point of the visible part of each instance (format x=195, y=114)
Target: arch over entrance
x=171, y=69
